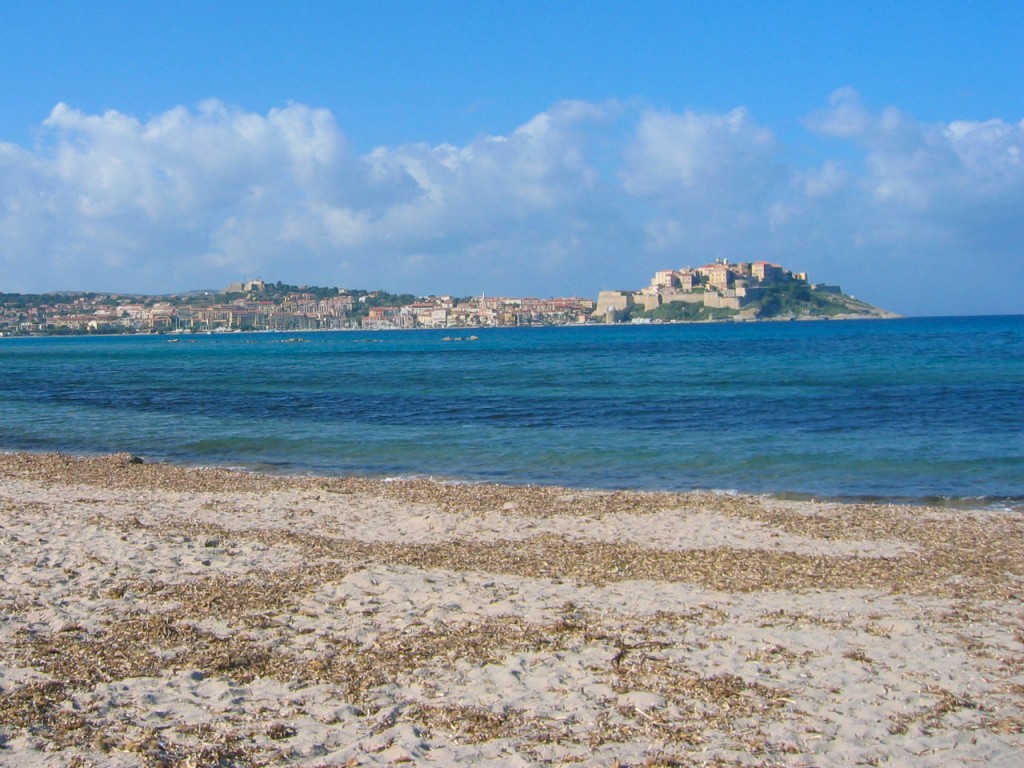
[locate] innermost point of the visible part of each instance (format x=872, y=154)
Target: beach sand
x=154, y=615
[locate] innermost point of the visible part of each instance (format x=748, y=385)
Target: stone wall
x=616, y=301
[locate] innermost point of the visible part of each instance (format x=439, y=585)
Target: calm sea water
x=902, y=409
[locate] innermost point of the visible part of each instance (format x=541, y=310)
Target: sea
x=919, y=410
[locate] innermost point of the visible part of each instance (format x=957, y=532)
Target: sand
x=160, y=616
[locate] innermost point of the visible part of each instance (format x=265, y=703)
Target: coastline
x=163, y=334
x=304, y=474
x=157, y=614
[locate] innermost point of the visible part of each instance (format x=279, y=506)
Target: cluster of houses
x=84, y=314
x=721, y=285
x=99, y=315
x=296, y=311
x=301, y=310
x=445, y=312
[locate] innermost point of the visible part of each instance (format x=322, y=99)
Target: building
x=767, y=273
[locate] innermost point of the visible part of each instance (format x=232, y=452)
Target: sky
x=514, y=148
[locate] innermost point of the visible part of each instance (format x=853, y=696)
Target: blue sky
x=523, y=148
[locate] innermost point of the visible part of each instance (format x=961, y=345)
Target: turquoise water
x=901, y=409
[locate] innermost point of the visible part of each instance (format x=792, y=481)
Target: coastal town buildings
x=256, y=305
x=718, y=290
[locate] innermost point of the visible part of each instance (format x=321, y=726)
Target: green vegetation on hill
x=798, y=299
x=272, y=292
x=362, y=300
x=24, y=300
x=367, y=299
x=682, y=311
x=383, y=298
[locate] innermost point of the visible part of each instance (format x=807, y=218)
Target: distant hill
x=726, y=291
x=801, y=301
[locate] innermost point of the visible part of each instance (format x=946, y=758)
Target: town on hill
x=758, y=290
x=719, y=291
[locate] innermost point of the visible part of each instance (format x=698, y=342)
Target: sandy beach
x=154, y=615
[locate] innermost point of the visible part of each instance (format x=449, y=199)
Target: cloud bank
x=920, y=218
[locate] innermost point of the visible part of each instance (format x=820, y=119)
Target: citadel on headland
x=720, y=291
x=758, y=290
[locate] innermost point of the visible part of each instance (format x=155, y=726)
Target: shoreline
x=159, y=614
x=1014, y=504
x=886, y=315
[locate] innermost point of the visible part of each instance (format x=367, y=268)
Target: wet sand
x=154, y=615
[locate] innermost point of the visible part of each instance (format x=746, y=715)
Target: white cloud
x=924, y=167
x=956, y=187
x=695, y=156
x=826, y=181
x=711, y=184
x=578, y=198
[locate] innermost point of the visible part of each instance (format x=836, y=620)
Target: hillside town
x=717, y=291
x=758, y=290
